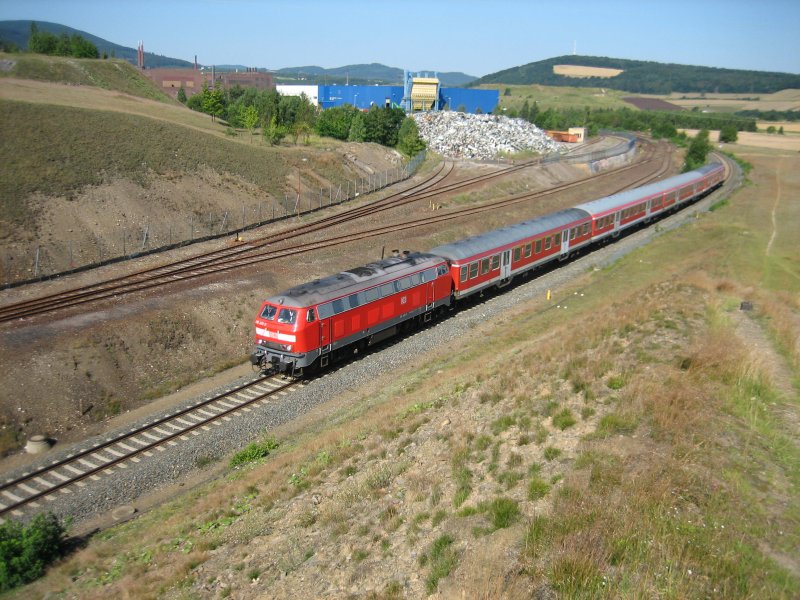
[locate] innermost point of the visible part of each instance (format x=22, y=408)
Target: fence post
x=124, y=242
x=144, y=237
x=36, y=263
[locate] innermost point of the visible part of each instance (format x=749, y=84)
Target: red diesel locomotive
x=305, y=326
x=309, y=324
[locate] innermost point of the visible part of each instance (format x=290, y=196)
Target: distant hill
x=18, y=33
x=643, y=77
x=373, y=73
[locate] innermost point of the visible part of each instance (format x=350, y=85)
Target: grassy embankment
x=54, y=150
x=116, y=75
x=630, y=445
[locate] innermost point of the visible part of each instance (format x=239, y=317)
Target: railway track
x=33, y=489
x=259, y=250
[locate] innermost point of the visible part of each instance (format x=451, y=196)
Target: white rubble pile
x=464, y=135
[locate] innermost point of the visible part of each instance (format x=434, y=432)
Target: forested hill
x=18, y=32
x=644, y=77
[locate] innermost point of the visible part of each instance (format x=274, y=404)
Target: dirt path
x=775, y=205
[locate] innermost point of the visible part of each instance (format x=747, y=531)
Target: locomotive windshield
x=285, y=315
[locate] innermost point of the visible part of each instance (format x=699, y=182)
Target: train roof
x=602, y=205
x=354, y=280
x=494, y=240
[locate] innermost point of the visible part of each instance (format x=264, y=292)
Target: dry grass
x=579, y=71
x=682, y=484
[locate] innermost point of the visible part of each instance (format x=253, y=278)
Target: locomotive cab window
x=269, y=312
x=310, y=317
x=287, y=315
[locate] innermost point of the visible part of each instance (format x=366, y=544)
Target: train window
x=464, y=273
x=517, y=253
x=441, y=270
x=473, y=270
x=495, y=262
x=372, y=294
x=548, y=242
x=527, y=250
x=310, y=317
x=538, y=246
x=325, y=310
x=572, y=234
x=416, y=278
x=269, y=312
x=287, y=316
x=387, y=289
x=353, y=300
x=338, y=306
x=404, y=283
x=585, y=228
x=484, y=266
x=558, y=239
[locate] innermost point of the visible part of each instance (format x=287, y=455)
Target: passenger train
x=310, y=325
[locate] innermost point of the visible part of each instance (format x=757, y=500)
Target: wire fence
x=43, y=261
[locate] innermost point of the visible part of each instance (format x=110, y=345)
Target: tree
x=250, y=119
x=728, y=133
x=358, y=130
x=697, y=151
x=27, y=550
x=182, y=95
x=274, y=133
x=408, y=140
x=525, y=111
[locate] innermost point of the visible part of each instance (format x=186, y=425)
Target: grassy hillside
x=645, y=77
x=54, y=150
x=112, y=74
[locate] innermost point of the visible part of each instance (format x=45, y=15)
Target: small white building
x=311, y=91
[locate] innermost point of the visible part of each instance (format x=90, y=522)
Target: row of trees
x=660, y=124
x=43, y=42
x=280, y=116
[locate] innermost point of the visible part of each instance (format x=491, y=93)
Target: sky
x=474, y=37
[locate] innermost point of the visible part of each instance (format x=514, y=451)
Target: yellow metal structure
x=424, y=92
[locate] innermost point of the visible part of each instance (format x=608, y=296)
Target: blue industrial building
x=431, y=96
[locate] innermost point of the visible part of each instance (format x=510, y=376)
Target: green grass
x=113, y=74
x=564, y=419
x=537, y=488
x=253, y=452
x=559, y=97
x=442, y=559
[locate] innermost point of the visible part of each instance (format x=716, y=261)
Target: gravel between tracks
x=176, y=462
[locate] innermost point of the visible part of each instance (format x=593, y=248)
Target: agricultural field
x=783, y=100
x=579, y=71
x=559, y=97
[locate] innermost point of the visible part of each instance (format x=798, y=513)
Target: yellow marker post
x=548, y=294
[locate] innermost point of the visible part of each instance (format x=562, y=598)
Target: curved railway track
x=33, y=488
x=260, y=250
